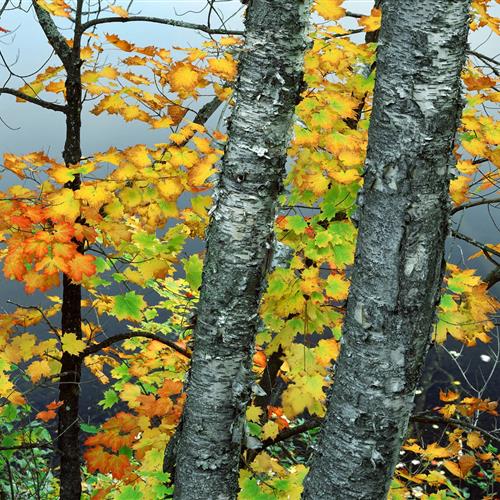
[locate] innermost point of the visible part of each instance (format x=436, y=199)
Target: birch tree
x=398, y=270
x=239, y=244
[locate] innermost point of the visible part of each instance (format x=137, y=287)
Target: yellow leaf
x=270, y=430
x=38, y=369
x=130, y=394
x=163, y=122
x=371, y=22
x=184, y=78
x=170, y=189
x=462, y=468
x=254, y=413
x=449, y=396
x=121, y=44
x=474, y=440
x=62, y=204
x=71, y=344
x=56, y=87
x=459, y=189
x=330, y=9
x=225, y=68
x=119, y=11
x=138, y=155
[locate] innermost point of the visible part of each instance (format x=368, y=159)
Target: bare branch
x=34, y=100
x=464, y=206
x=454, y=423
x=159, y=20
x=92, y=349
x=486, y=249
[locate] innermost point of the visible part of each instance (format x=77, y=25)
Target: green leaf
x=110, y=399
x=129, y=493
x=254, y=429
x=296, y=223
x=250, y=491
x=128, y=306
x=9, y=412
x=193, y=268
x=89, y=429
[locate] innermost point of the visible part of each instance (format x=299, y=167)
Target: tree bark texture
x=239, y=243
x=398, y=270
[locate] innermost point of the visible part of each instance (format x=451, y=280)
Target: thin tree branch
x=34, y=100
x=489, y=61
x=314, y=423
x=493, y=277
x=455, y=423
x=464, y=206
x=54, y=36
x=486, y=249
x=27, y=446
x=92, y=349
x=159, y=20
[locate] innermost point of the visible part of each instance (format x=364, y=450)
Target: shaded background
x=28, y=128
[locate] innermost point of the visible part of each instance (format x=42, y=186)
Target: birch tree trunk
x=398, y=269
x=239, y=241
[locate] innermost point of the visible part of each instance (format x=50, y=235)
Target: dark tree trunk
x=71, y=321
x=239, y=241
x=404, y=211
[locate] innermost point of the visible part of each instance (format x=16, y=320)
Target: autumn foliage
x=123, y=234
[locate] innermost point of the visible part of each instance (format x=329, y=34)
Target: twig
x=464, y=206
x=92, y=349
x=159, y=20
x=34, y=100
x=486, y=249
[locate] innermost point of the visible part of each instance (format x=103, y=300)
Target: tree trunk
x=239, y=240
x=404, y=211
x=68, y=431
x=71, y=317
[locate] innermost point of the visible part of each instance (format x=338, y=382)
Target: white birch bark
x=239, y=241
x=398, y=269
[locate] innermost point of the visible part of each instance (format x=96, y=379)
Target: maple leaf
x=225, y=68
x=50, y=413
x=462, y=468
x=119, y=11
x=184, y=78
x=38, y=369
x=269, y=430
x=448, y=396
x=170, y=388
x=164, y=122
x=55, y=7
x=474, y=440
x=128, y=306
x=71, y=344
x=98, y=459
x=121, y=44
x=371, y=22
x=81, y=265
x=253, y=413
x=63, y=205
x=329, y=9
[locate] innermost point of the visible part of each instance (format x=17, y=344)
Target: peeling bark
x=239, y=240
x=404, y=211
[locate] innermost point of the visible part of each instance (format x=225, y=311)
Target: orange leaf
x=462, y=468
x=80, y=266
